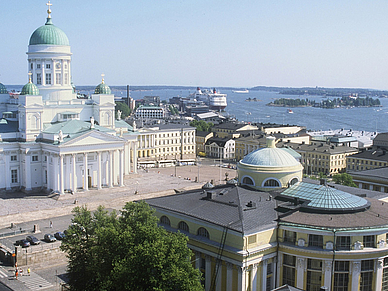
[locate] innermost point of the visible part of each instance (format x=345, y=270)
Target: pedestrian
x=51, y=224
x=16, y=274
x=28, y=271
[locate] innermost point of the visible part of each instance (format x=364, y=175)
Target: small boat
x=289, y=111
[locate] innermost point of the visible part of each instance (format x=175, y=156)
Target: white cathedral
x=52, y=141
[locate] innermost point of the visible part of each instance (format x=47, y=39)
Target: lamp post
x=198, y=159
x=226, y=177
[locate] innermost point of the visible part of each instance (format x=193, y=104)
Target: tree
x=130, y=251
x=344, y=179
x=123, y=107
x=202, y=125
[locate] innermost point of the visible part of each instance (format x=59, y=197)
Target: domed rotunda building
x=269, y=168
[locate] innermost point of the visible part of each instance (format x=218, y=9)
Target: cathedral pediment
x=92, y=138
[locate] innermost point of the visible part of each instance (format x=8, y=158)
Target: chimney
x=323, y=182
x=210, y=195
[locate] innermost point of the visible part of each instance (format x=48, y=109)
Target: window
x=14, y=158
x=289, y=270
x=48, y=66
x=38, y=66
x=289, y=236
x=341, y=275
x=314, y=275
x=39, y=79
x=48, y=79
x=34, y=158
x=366, y=280
x=343, y=243
x=183, y=226
x=315, y=240
x=271, y=183
x=294, y=181
x=203, y=232
x=247, y=181
x=32, y=66
x=165, y=220
x=369, y=241
x=14, y=176
x=58, y=80
x=45, y=177
x=65, y=79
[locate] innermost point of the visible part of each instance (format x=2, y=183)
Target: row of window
x=48, y=66
x=341, y=274
x=201, y=231
x=58, y=79
x=342, y=242
x=373, y=163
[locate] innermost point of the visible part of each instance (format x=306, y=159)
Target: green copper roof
x=30, y=89
x=3, y=90
x=49, y=34
x=102, y=89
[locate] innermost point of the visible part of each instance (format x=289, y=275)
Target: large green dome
x=3, y=90
x=49, y=34
x=30, y=89
x=102, y=89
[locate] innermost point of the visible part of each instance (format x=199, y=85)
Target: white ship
x=241, y=91
x=215, y=100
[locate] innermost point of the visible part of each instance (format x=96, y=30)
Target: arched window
x=183, y=226
x=247, y=181
x=294, y=181
x=203, y=232
x=165, y=220
x=271, y=183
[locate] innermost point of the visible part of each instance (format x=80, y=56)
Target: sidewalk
x=155, y=182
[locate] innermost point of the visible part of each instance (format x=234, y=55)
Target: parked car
x=59, y=235
x=33, y=240
x=23, y=243
x=49, y=238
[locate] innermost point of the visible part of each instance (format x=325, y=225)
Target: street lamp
x=226, y=177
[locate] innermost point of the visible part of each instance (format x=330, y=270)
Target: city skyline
x=214, y=43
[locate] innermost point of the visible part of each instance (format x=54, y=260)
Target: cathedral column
x=110, y=171
x=99, y=171
x=356, y=271
x=254, y=277
x=86, y=185
x=301, y=269
x=229, y=276
x=68, y=173
x=74, y=170
x=134, y=157
x=55, y=165
x=208, y=272
x=379, y=274
x=61, y=174
x=264, y=267
x=48, y=186
x=121, y=165
x=27, y=171
x=7, y=155
x=242, y=278
x=328, y=265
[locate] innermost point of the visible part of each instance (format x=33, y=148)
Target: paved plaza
x=18, y=207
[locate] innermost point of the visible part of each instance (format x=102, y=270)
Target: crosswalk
x=35, y=282
x=3, y=273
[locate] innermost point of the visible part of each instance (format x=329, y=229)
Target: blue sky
x=208, y=43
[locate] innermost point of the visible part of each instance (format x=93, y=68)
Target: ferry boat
x=214, y=99
x=241, y=91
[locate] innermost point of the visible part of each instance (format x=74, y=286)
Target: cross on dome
x=29, y=77
x=49, y=9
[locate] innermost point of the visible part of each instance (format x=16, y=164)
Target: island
x=348, y=101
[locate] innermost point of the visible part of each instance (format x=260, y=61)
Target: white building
x=52, y=141
x=152, y=112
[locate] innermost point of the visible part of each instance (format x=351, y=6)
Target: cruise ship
x=215, y=100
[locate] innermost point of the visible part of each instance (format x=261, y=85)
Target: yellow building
x=232, y=130
x=366, y=160
x=373, y=179
x=201, y=138
x=166, y=145
x=305, y=235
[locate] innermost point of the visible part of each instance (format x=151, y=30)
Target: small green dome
x=30, y=89
x=49, y=34
x=3, y=90
x=102, y=88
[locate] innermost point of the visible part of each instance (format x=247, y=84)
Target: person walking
x=51, y=224
x=28, y=271
x=16, y=274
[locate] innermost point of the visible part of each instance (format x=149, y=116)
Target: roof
x=287, y=288
x=73, y=126
x=49, y=34
x=30, y=89
x=102, y=88
x=228, y=207
x=7, y=126
x=202, y=133
x=376, y=155
x=323, y=198
x=380, y=173
x=122, y=123
x=231, y=126
x=219, y=141
x=209, y=115
x=270, y=156
x=319, y=147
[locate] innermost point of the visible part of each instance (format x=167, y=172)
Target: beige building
x=232, y=130
x=366, y=160
x=200, y=140
x=166, y=145
x=373, y=179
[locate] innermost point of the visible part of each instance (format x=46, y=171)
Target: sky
x=214, y=43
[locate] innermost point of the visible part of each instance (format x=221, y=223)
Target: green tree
x=123, y=107
x=130, y=251
x=202, y=125
x=344, y=179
